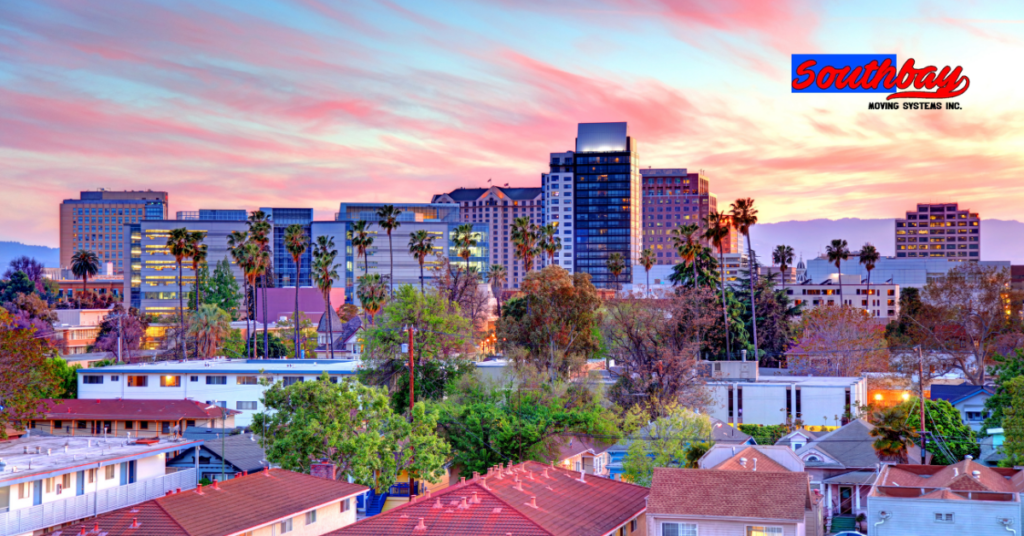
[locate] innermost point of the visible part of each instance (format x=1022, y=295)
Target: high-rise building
x=438, y=219
x=284, y=265
x=558, y=204
x=95, y=221
x=607, y=207
x=939, y=230
x=673, y=197
x=498, y=208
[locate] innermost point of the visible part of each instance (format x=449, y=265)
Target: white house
x=229, y=383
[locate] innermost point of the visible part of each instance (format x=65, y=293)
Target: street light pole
x=412, y=401
x=920, y=381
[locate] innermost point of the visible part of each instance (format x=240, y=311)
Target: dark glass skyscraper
x=607, y=208
x=284, y=266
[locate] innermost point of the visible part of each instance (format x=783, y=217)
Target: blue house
x=969, y=400
x=240, y=453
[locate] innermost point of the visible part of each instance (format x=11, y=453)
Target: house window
x=108, y=472
x=292, y=380
x=82, y=425
x=813, y=458
x=115, y=378
x=632, y=526
x=344, y=505
x=137, y=381
x=311, y=517
x=764, y=531
x=216, y=380
x=797, y=446
x=23, y=490
x=943, y=517
x=245, y=405
x=678, y=529
x=974, y=416
x=90, y=476
x=143, y=425
x=193, y=378
x=285, y=526
x=92, y=378
x=170, y=381
x=247, y=380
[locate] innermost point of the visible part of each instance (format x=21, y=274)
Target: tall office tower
x=151, y=285
x=94, y=223
x=284, y=265
x=437, y=219
x=939, y=230
x=673, y=198
x=607, y=207
x=498, y=208
x=558, y=204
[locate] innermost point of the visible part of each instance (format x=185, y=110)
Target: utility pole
x=412, y=401
x=920, y=381
x=119, y=359
x=223, y=435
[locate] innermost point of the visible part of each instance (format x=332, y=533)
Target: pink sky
x=312, y=103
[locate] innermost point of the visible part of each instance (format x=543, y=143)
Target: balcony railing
x=71, y=509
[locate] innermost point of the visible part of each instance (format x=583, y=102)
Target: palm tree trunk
x=694, y=271
x=840, y=276
x=366, y=262
x=869, y=292
x=421, y=276
x=725, y=314
x=648, y=281
x=391, y=251
x=298, y=262
x=330, y=329
x=181, y=312
x=266, y=337
x=753, y=309
x=85, y=281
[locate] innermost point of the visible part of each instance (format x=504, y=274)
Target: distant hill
x=1001, y=240
x=49, y=257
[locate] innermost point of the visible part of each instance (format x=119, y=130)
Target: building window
x=246, y=380
x=193, y=378
x=344, y=505
x=137, y=381
x=115, y=378
x=82, y=425
x=292, y=380
x=941, y=517
x=216, y=380
x=311, y=517
x=92, y=378
x=678, y=529
x=108, y=472
x=170, y=381
x=285, y=526
x=245, y=405
x=23, y=490
x=632, y=526
x=764, y=531
x=143, y=425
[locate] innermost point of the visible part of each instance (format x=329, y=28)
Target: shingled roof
x=751, y=459
x=714, y=493
x=526, y=499
x=130, y=410
x=239, y=504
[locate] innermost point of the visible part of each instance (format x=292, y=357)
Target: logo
x=875, y=73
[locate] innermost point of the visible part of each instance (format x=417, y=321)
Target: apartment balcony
x=54, y=513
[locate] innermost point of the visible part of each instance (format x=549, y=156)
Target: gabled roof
x=722, y=432
x=732, y=494
x=570, y=446
x=956, y=477
x=342, y=331
x=130, y=410
x=240, y=504
x=957, y=393
x=849, y=445
x=461, y=195
x=565, y=506
x=239, y=450
x=787, y=440
x=751, y=460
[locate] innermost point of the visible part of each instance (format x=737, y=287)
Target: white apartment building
x=559, y=209
x=49, y=481
x=880, y=300
x=229, y=383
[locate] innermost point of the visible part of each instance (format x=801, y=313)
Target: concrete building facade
x=880, y=300
x=673, y=197
x=939, y=230
x=559, y=209
x=899, y=271
x=94, y=222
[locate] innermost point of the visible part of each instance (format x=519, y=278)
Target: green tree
x=198, y=252
x=764, y=434
x=664, y=443
x=891, y=431
x=306, y=337
x=869, y=257
x=441, y=340
x=488, y=425
x=1013, y=423
x=388, y=220
x=354, y=427
x=85, y=264
x=837, y=252
x=783, y=256
x=209, y=326
x=647, y=260
x=372, y=294
x=421, y=245
x=949, y=439
x=1005, y=369
x=66, y=375
x=698, y=268
x=616, y=264
x=716, y=233
x=464, y=239
x=695, y=451
x=325, y=273
x=296, y=242
x=179, y=246
x=550, y=243
x=686, y=240
x=222, y=288
x=261, y=263
x=362, y=240
x=744, y=216
x=24, y=374
x=525, y=236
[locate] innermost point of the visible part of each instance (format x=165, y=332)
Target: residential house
x=223, y=456
x=48, y=481
x=692, y=502
x=119, y=417
x=582, y=454
x=527, y=499
x=266, y=503
x=992, y=447
x=765, y=458
x=798, y=438
x=343, y=335
x=968, y=399
x=724, y=434
x=964, y=498
x=721, y=433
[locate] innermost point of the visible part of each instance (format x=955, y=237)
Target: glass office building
x=607, y=204
x=284, y=265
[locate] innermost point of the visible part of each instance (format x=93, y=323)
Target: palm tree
x=238, y=246
x=838, y=251
x=868, y=257
x=687, y=243
x=198, y=252
x=325, y=273
x=361, y=239
x=259, y=232
x=371, y=293
x=421, y=244
x=550, y=242
x=783, y=256
x=616, y=265
x=296, y=242
x=209, y=326
x=891, y=433
x=744, y=216
x=463, y=238
x=716, y=233
x=524, y=237
x=84, y=263
x=388, y=221
x=179, y=245
x=496, y=276
x=647, y=260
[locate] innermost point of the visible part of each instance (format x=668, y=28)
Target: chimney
x=583, y=476
x=199, y=489
x=755, y=464
x=743, y=462
x=437, y=503
x=474, y=499
x=532, y=503
x=82, y=533
x=968, y=457
x=518, y=486
x=476, y=475
x=420, y=525
x=462, y=480
x=178, y=490
x=216, y=485
x=266, y=471
x=135, y=523
x=96, y=528
x=484, y=484
x=464, y=505
x=956, y=472
x=545, y=473
x=976, y=475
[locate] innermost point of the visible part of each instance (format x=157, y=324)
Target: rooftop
x=135, y=410
x=237, y=366
x=526, y=499
x=751, y=460
x=43, y=456
x=714, y=493
x=965, y=479
x=233, y=507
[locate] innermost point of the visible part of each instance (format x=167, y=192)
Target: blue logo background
x=838, y=61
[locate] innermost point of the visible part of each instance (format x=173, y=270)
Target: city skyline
x=394, y=103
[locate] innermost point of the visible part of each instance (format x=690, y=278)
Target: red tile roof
x=238, y=505
x=763, y=464
x=130, y=410
x=567, y=447
x=957, y=477
x=714, y=493
x=564, y=506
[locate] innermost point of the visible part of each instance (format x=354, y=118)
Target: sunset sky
x=311, y=103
